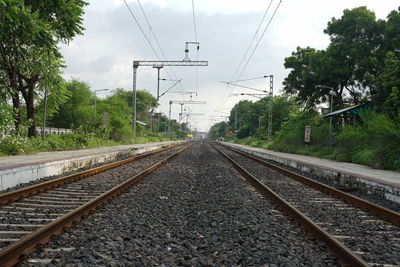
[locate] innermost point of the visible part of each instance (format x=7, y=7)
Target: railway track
x=29, y=217
x=360, y=233
x=196, y=210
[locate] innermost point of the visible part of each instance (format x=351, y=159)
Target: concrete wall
x=22, y=174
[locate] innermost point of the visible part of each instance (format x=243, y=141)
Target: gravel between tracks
x=195, y=210
x=45, y=179
x=377, y=240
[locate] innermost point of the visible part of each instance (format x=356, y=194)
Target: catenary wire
x=146, y=37
x=247, y=50
x=158, y=43
x=195, y=38
x=262, y=35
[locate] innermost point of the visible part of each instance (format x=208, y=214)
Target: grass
x=24, y=146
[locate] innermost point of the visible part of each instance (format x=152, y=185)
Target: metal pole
x=158, y=81
x=169, y=119
x=236, y=121
x=45, y=113
x=95, y=113
x=181, y=117
x=330, y=121
x=135, y=66
x=271, y=85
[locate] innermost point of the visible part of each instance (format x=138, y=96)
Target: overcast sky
x=103, y=56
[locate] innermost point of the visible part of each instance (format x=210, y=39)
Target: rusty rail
x=35, y=189
x=344, y=255
x=15, y=252
x=382, y=212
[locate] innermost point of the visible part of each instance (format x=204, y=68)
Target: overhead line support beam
x=157, y=64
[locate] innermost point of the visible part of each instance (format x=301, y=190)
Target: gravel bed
x=195, y=210
x=375, y=240
x=352, y=191
x=48, y=178
x=36, y=209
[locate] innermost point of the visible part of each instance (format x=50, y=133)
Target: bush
x=376, y=143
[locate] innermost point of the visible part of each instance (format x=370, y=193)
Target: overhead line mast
x=186, y=62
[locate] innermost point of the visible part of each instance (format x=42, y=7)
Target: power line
x=194, y=22
x=252, y=40
x=195, y=37
x=145, y=35
x=141, y=29
x=262, y=35
x=157, y=42
x=247, y=50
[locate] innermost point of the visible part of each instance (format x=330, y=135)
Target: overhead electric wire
x=247, y=50
x=249, y=79
x=262, y=35
x=195, y=38
x=252, y=40
x=141, y=29
x=145, y=35
x=256, y=46
x=157, y=42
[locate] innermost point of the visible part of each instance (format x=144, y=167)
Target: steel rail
x=14, y=253
x=344, y=255
x=384, y=213
x=35, y=189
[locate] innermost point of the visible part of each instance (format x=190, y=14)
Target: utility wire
x=252, y=40
x=262, y=35
x=247, y=50
x=145, y=35
x=157, y=42
x=256, y=46
x=243, y=80
x=195, y=38
x=194, y=22
x=141, y=29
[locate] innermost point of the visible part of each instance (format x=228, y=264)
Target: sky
x=112, y=40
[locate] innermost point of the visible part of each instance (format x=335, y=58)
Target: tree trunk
x=27, y=93
x=16, y=111
x=30, y=111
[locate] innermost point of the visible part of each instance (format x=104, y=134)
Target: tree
x=30, y=33
x=310, y=68
x=78, y=104
x=353, y=56
x=218, y=130
x=385, y=94
x=357, y=50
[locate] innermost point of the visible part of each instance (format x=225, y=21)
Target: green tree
x=80, y=103
x=385, y=94
x=357, y=49
x=29, y=37
x=218, y=130
x=354, y=54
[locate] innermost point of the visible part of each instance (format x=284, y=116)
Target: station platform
x=25, y=168
x=383, y=183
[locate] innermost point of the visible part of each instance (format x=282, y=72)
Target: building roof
x=141, y=123
x=354, y=109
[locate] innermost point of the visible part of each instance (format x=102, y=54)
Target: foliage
x=76, y=112
x=376, y=143
x=354, y=55
x=292, y=131
x=218, y=130
x=6, y=120
x=29, y=52
x=385, y=94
